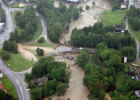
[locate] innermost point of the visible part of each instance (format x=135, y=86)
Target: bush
x=41, y=40
x=93, y=3
x=5, y=55
x=10, y=46
x=61, y=88
x=87, y=7
x=40, y=52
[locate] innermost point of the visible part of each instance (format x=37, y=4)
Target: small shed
x=123, y=5
x=69, y=57
x=1, y=74
x=137, y=77
x=137, y=93
x=39, y=81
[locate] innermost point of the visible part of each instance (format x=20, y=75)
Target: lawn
x=44, y=44
x=18, y=63
x=113, y=17
x=9, y=87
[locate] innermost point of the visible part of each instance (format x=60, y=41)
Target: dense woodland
x=91, y=36
x=134, y=18
x=27, y=22
x=105, y=72
x=57, y=19
x=58, y=78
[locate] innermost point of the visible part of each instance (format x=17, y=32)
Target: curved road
x=17, y=78
x=136, y=40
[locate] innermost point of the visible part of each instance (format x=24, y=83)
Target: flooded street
x=76, y=89
x=87, y=17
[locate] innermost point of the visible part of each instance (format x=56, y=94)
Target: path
x=136, y=40
x=76, y=90
x=86, y=18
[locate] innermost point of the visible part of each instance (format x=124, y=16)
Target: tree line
x=27, y=22
x=133, y=17
x=58, y=78
x=105, y=72
x=57, y=19
x=93, y=35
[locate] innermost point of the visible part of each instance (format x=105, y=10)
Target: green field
x=18, y=63
x=44, y=44
x=9, y=87
x=113, y=17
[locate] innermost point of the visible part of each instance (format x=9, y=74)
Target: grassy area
x=15, y=5
x=18, y=63
x=136, y=33
x=38, y=31
x=44, y=44
x=113, y=17
x=9, y=87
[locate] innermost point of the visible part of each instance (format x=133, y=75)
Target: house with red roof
x=2, y=87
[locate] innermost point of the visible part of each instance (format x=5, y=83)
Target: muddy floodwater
x=76, y=89
x=87, y=17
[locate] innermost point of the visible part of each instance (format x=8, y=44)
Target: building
x=137, y=93
x=137, y=77
x=137, y=3
x=124, y=59
x=123, y=5
x=2, y=87
x=119, y=28
x=72, y=1
x=2, y=25
x=1, y=74
x=39, y=81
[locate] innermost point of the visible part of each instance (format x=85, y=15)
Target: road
x=9, y=26
x=16, y=78
x=136, y=40
x=131, y=2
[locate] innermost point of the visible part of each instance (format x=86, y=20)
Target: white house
x=1, y=74
x=123, y=5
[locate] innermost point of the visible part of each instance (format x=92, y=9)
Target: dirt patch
x=76, y=90
x=46, y=49
x=28, y=55
x=87, y=17
x=107, y=96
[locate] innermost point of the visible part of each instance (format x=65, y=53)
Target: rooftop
x=73, y=1
x=38, y=80
x=137, y=77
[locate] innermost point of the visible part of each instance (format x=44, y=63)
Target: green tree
x=116, y=62
x=10, y=46
x=82, y=58
x=93, y=3
x=40, y=52
x=61, y=88
x=2, y=95
x=5, y=55
x=36, y=94
x=87, y=7
x=41, y=40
